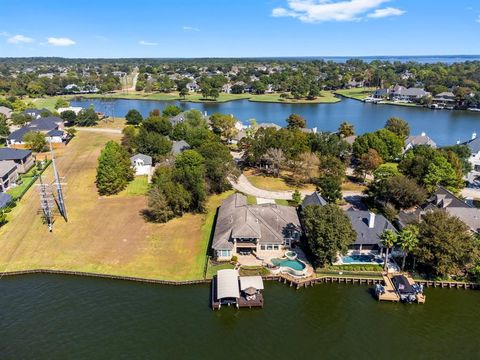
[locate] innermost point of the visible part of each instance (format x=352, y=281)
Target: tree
x=387, y=144
x=332, y=166
x=35, y=141
x=183, y=92
x=71, y=132
x=330, y=187
x=158, y=208
x=87, y=117
x=295, y=121
x=408, y=241
x=385, y=171
x=389, y=239
x=328, y=231
x=296, y=197
x=346, y=129
x=190, y=172
x=69, y=116
x=446, y=245
x=276, y=158
x=129, y=138
x=160, y=125
x=114, y=170
x=368, y=162
x=398, y=126
x=153, y=144
x=61, y=103
x=134, y=117
x=4, y=129
x=224, y=125
x=219, y=166
x=307, y=166
x=171, y=111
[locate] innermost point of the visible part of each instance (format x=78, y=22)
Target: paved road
x=471, y=193
x=246, y=187
x=99, y=130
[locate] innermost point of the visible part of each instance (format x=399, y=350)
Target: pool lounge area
x=360, y=259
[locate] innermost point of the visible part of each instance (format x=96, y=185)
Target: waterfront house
x=141, y=164
x=23, y=158
x=381, y=94
x=474, y=146
x=368, y=226
x=413, y=94
x=415, y=140
x=253, y=229
x=447, y=201
x=8, y=174
x=35, y=113
x=7, y=112
x=75, y=109
x=51, y=126
x=444, y=99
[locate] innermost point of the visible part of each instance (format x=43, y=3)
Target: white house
x=142, y=164
x=75, y=109
x=474, y=159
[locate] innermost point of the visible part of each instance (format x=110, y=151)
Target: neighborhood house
x=51, y=126
x=22, y=158
x=142, y=164
x=253, y=229
x=8, y=175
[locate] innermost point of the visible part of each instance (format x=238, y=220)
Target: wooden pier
x=391, y=293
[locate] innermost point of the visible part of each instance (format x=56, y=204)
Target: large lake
x=445, y=127
x=59, y=317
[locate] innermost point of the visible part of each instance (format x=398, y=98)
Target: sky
x=238, y=28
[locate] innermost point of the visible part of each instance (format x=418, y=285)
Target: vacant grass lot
x=326, y=97
x=137, y=187
x=104, y=234
x=356, y=93
x=272, y=183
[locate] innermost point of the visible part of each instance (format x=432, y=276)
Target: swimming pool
x=292, y=264
x=361, y=259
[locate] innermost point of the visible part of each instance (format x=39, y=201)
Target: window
x=275, y=247
x=223, y=253
x=262, y=247
x=269, y=247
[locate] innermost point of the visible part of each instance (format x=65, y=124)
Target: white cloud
x=314, y=11
x=19, y=39
x=4, y=33
x=190, y=28
x=389, y=11
x=147, y=43
x=60, y=41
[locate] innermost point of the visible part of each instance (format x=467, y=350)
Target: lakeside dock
x=399, y=288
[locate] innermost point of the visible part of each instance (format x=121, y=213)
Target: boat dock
x=399, y=287
x=228, y=288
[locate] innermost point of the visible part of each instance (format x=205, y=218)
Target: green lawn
x=212, y=269
x=326, y=97
x=27, y=180
x=46, y=102
x=137, y=187
x=356, y=93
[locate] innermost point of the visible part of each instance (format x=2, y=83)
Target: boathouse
x=228, y=288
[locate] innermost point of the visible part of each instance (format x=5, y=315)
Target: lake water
x=443, y=126
x=59, y=317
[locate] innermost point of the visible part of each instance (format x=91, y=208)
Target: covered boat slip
x=399, y=287
x=228, y=288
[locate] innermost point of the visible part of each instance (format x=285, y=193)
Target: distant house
x=381, y=94
x=35, y=113
x=175, y=120
x=445, y=99
x=247, y=229
x=23, y=158
x=142, y=164
x=369, y=227
x=75, y=109
x=5, y=199
x=51, y=126
x=193, y=86
x=474, y=159
x=415, y=140
x=269, y=125
x=8, y=174
x=6, y=111
x=401, y=93
x=179, y=147
x=444, y=200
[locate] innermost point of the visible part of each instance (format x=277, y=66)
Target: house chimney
x=474, y=135
x=371, y=220
x=423, y=133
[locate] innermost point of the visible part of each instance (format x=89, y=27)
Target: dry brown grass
x=104, y=235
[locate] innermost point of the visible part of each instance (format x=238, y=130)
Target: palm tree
x=408, y=241
x=389, y=239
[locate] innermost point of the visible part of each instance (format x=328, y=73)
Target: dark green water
x=56, y=317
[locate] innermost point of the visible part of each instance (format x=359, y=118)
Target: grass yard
x=356, y=93
x=326, y=97
x=46, y=102
x=212, y=269
x=137, y=187
x=272, y=183
x=104, y=234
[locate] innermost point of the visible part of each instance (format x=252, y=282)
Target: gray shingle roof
x=147, y=160
x=422, y=139
x=365, y=234
x=269, y=222
x=179, y=146
x=13, y=154
x=7, y=166
x=4, y=199
x=473, y=145
x=314, y=199
x=41, y=124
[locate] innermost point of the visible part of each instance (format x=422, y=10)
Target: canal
x=443, y=126
x=61, y=317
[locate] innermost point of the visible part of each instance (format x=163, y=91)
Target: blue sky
x=238, y=28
